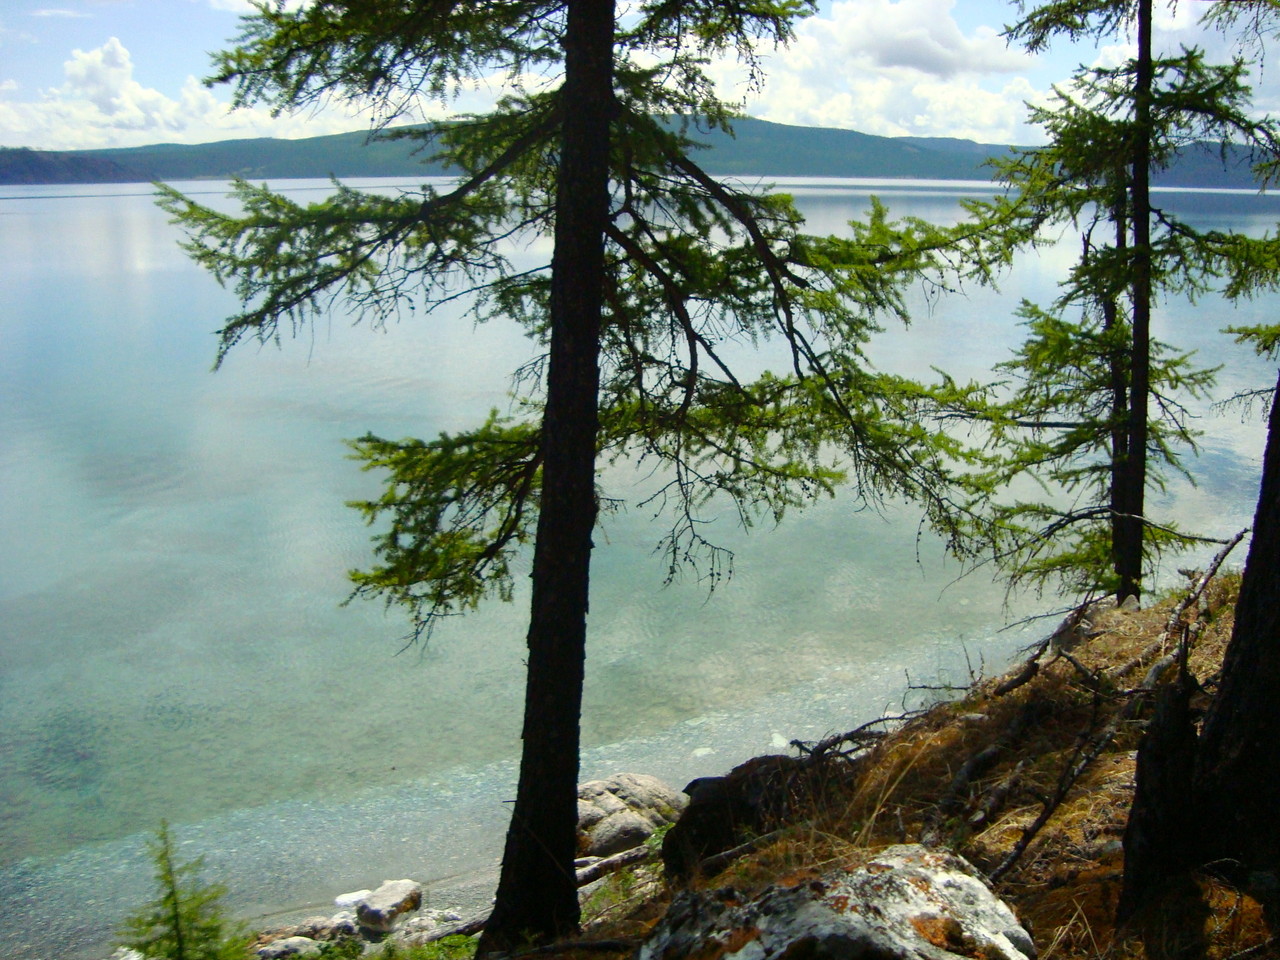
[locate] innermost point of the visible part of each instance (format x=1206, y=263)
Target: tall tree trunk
x=1237, y=775
x=537, y=897
x=1133, y=474
x=1118, y=363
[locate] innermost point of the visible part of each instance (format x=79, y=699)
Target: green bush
x=186, y=922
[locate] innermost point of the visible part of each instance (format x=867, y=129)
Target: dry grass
x=1066, y=882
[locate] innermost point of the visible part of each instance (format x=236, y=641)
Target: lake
x=175, y=548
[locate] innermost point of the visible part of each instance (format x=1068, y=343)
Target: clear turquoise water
x=173, y=548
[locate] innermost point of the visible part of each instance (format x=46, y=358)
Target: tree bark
x=1237, y=774
x=1119, y=365
x=1158, y=848
x=1132, y=476
x=537, y=895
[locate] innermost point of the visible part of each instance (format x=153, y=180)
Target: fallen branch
x=1175, y=617
x=594, y=871
x=1023, y=676
x=1097, y=744
x=1059, y=640
x=1089, y=750
x=714, y=864
x=860, y=738
x=587, y=874
x=998, y=794
x=977, y=764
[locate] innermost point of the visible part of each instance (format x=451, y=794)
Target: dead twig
x=1178, y=612
x=861, y=738
x=1088, y=749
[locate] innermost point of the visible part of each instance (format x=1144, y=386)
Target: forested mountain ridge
x=758, y=148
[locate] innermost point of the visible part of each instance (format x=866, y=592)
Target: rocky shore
x=989, y=825
x=905, y=902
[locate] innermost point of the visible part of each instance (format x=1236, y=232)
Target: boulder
x=289, y=947
x=622, y=812
x=379, y=911
x=905, y=903
x=753, y=799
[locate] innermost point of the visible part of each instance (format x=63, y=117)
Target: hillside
x=1029, y=776
x=758, y=149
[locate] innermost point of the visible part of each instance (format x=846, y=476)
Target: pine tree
x=186, y=921
x=657, y=266
x=1096, y=415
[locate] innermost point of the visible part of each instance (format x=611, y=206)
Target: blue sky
x=109, y=73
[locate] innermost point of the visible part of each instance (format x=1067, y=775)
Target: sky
x=76, y=74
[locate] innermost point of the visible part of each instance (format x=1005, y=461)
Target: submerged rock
x=906, y=903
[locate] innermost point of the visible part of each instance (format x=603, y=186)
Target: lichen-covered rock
x=622, y=811
x=289, y=947
x=379, y=911
x=906, y=903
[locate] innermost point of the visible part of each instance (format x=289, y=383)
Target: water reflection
x=176, y=542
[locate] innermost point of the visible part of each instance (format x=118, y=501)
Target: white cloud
x=917, y=35
x=894, y=68
x=101, y=104
x=64, y=14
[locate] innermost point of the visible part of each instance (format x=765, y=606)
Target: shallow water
x=175, y=545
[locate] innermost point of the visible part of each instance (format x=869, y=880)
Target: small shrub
x=186, y=921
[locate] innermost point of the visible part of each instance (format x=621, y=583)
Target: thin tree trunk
x=1133, y=475
x=537, y=895
x=1238, y=776
x=1118, y=361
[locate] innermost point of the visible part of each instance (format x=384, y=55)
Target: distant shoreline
x=757, y=148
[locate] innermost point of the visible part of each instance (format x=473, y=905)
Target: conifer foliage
x=1096, y=415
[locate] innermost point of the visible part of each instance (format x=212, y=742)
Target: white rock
x=907, y=903
x=349, y=901
x=380, y=910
